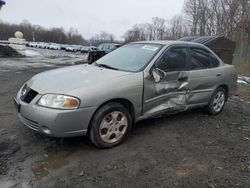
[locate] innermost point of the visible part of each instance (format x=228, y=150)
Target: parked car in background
x=54, y=46
x=42, y=45
x=70, y=49
x=73, y=48
x=32, y=44
x=134, y=82
x=29, y=44
x=63, y=46
x=102, y=50
x=87, y=49
x=78, y=47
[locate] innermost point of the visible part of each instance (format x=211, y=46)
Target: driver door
x=166, y=86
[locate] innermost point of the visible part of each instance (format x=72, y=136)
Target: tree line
x=57, y=35
x=158, y=29
x=102, y=37
x=41, y=34
x=230, y=18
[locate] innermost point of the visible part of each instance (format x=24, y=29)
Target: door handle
x=219, y=74
x=183, y=79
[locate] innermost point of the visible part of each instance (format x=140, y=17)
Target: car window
x=199, y=58
x=131, y=57
x=173, y=59
x=214, y=61
x=106, y=47
x=111, y=47
x=100, y=47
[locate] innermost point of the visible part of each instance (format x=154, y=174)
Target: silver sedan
x=134, y=82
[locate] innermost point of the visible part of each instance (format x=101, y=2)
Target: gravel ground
x=189, y=149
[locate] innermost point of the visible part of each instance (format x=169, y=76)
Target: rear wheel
x=217, y=102
x=110, y=125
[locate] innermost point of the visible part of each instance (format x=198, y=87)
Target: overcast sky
x=89, y=16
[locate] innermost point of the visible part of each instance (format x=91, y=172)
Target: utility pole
x=33, y=36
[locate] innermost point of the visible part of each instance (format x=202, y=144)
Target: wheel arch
x=125, y=102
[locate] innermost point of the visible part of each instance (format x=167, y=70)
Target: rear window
x=214, y=61
x=199, y=58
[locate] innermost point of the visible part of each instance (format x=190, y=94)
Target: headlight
x=58, y=101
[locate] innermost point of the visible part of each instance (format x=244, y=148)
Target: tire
x=110, y=125
x=90, y=58
x=217, y=101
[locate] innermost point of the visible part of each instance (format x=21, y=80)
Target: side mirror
x=158, y=74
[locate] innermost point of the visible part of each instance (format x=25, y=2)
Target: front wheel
x=217, y=102
x=90, y=58
x=110, y=125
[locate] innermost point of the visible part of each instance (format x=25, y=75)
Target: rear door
x=165, y=89
x=206, y=75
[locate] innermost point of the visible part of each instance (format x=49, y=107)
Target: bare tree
x=40, y=34
x=159, y=29
x=102, y=37
x=219, y=17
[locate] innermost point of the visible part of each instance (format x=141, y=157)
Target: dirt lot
x=189, y=149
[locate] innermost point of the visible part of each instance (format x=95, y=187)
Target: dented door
x=166, y=86
x=205, y=75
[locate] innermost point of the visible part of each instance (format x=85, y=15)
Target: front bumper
x=54, y=122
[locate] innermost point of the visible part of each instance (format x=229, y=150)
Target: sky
x=89, y=16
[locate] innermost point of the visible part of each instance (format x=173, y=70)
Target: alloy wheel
x=219, y=101
x=113, y=127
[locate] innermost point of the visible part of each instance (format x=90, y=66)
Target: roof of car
x=166, y=42
x=110, y=43
x=205, y=40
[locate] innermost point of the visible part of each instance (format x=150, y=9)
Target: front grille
x=29, y=123
x=28, y=94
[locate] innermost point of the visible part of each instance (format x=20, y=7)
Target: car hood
x=66, y=80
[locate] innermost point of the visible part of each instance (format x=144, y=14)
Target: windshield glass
x=131, y=57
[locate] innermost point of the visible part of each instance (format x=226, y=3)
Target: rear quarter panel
x=230, y=79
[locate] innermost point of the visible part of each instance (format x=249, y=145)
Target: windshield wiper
x=105, y=66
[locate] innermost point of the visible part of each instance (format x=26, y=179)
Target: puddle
x=53, y=161
x=187, y=169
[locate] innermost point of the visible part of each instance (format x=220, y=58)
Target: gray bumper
x=54, y=122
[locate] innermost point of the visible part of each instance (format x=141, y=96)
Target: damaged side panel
x=169, y=94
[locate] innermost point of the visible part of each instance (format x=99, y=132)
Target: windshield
x=131, y=57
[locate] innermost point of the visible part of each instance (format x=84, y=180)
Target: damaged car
x=136, y=81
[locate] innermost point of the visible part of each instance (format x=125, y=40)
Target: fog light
x=45, y=130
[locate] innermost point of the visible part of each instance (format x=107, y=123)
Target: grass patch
x=243, y=69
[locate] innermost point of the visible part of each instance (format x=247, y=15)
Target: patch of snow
x=243, y=80
x=31, y=53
